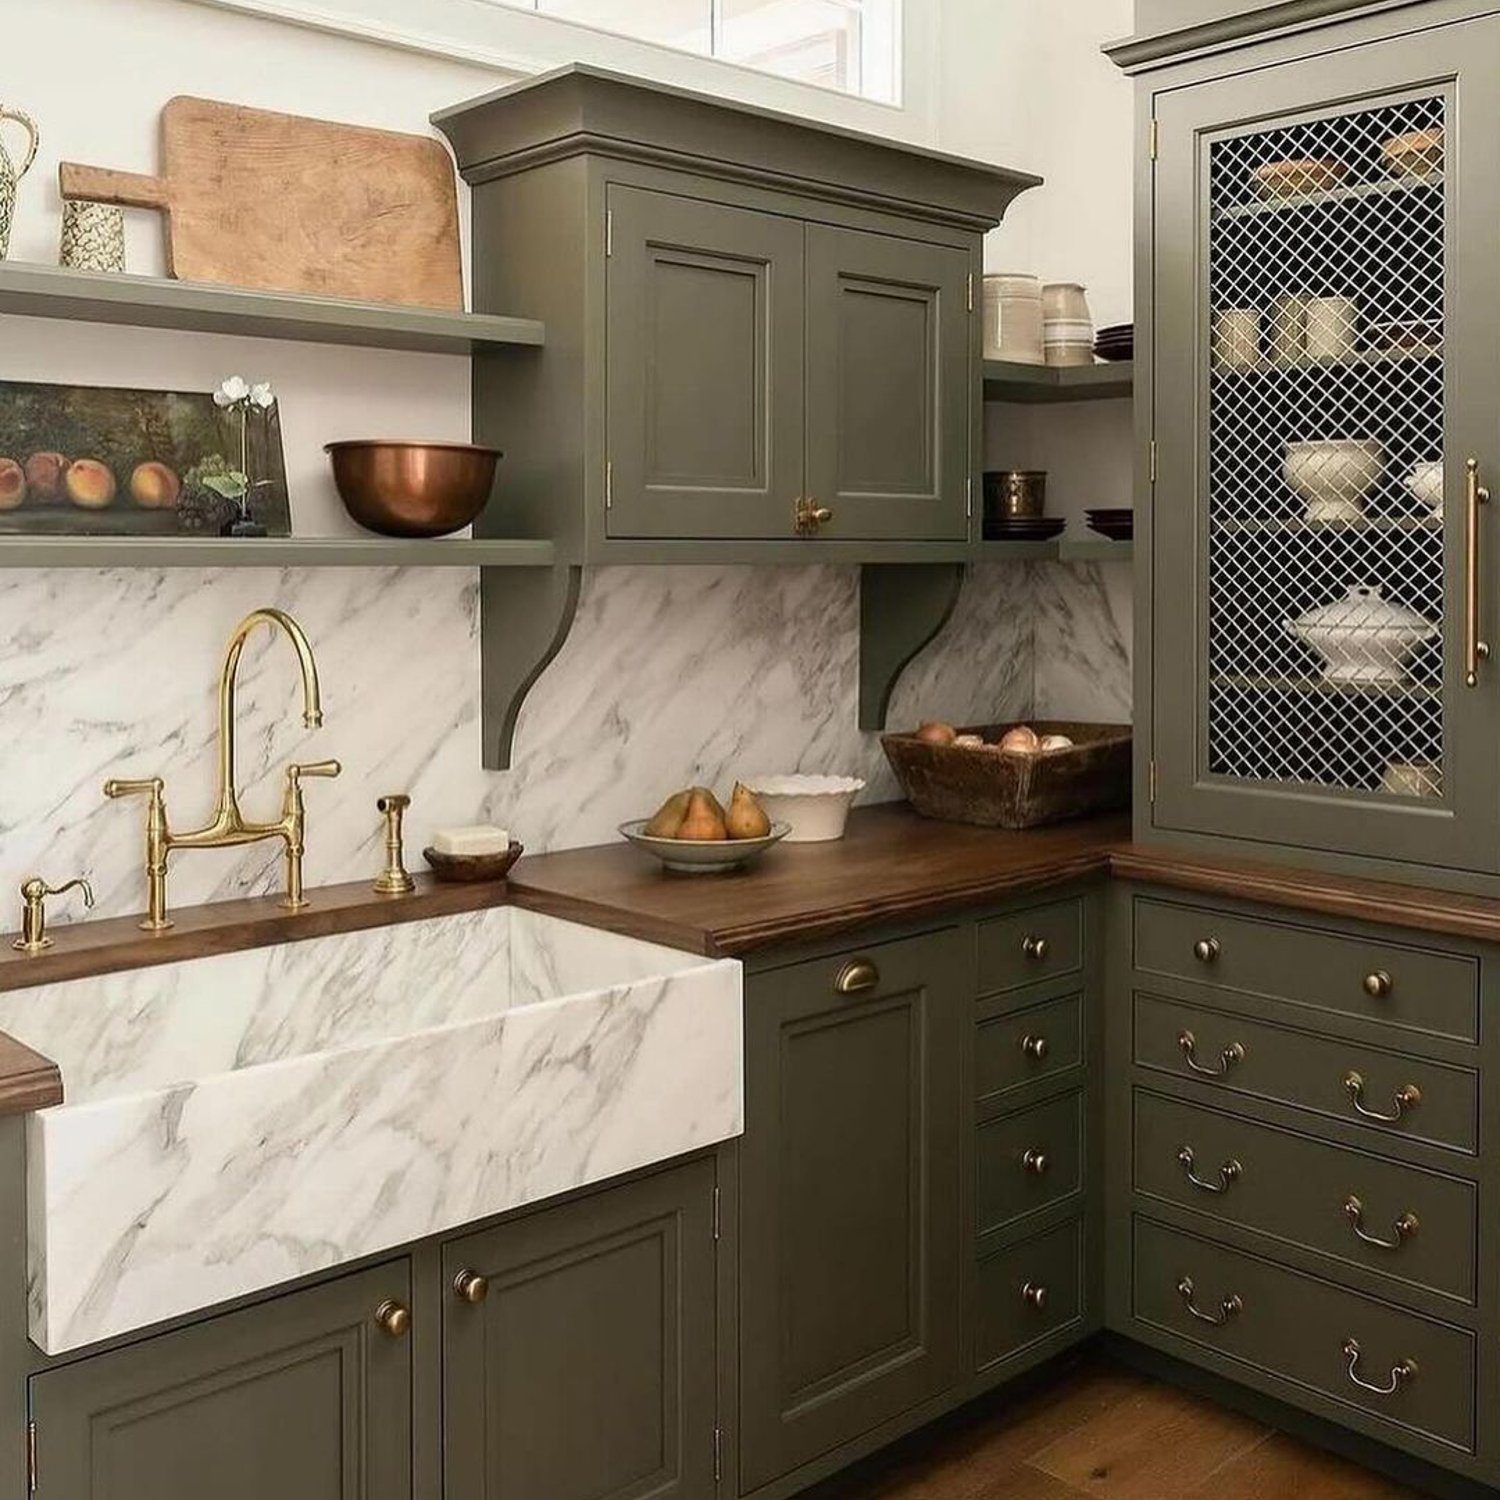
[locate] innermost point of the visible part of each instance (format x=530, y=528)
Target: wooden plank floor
x=1107, y=1433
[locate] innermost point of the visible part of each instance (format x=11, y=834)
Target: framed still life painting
x=102, y=461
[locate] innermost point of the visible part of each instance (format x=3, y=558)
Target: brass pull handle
x=1401, y=1372
x=1035, y=948
x=1229, y=1307
x=1404, y=1227
x=1229, y=1172
x=1408, y=1097
x=393, y=1318
x=471, y=1287
x=1035, y=1047
x=1475, y=650
x=1206, y=950
x=857, y=976
x=1379, y=985
x=808, y=516
x=1232, y=1054
x=1034, y=1295
x=1036, y=1162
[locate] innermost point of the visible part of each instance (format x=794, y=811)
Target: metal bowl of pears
x=692, y=833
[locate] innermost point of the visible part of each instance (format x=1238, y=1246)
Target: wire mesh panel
x=1325, y=447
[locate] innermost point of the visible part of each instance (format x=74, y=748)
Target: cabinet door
x=1325, y=300
x=849, y=1209
x=889, y=385
x=587, y=1372
x=301, y=1398
x=704, y=383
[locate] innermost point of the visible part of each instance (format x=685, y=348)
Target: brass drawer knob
x=1034, y=1294
x=1036, y=1162
x=1406, y=1098
x=471, y=1287
x=808, y=516
x=1233, y=1054
x=856, y=977
x=1379, y=985
x=1401, y=1372
x=1206, y=950
x=393, y=1318
x=1035, y=1047
x=1403, y=1229
x=1229, y=1172
x=1229, y=1307
x=1035, y=948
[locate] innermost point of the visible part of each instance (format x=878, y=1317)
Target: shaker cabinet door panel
x=1324, y=305
x=849, y=1209
x=587, y=1372
x=300, y=1398
x=889, y=385
x=704, y=370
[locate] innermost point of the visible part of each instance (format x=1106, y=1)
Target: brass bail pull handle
x=1475, y=649
x=1406, y=1098
x=1230, y=1307
x=1402, y=1230
x=1229, y=1172
x=1232, y=1054
x=1401, y=1372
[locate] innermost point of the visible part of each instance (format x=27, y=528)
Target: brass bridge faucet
x=229, y=826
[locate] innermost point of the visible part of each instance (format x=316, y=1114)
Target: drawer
x=1308, y=1334
x=1230, y=1054
x=1023, y=1046
x=1021, y=947
x=1026, y=1161
x=1398, y=1220
x=1418, y=988
x=1027, y=1292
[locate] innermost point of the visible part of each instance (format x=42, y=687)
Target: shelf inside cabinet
x=38, y=291
x=1004, y=380
x=271, y=552
x=1353, y=193
x=1322, y=686
x=1283, y=526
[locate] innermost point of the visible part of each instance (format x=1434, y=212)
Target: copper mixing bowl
x=413, y=489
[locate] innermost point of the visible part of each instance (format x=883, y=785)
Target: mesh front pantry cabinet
x=1324, y=297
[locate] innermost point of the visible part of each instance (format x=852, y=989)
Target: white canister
x=93, y=236
x=1013, y=318
x=1286, y=336
x=1068, y=301
x=1068, y=342
x=1236, y=338
x=1331, y=326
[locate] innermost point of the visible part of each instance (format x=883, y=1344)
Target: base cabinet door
x=306, y=1397
x=579, y=1349
x=849, y=1197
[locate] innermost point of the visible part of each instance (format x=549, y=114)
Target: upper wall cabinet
x=765, y=342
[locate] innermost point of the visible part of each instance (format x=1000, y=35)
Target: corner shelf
x=1059, y=549
x=38, y=291
x=271, y=552
x=1032, y=384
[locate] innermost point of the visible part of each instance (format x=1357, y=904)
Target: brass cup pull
x=1035, y=1047
x=393, y=1318
x=1035, y=948
x=1206, y=950
x=1475, y=649
x=1403, y=1229
x=1232, y=1054
x=1036, y=1162
x=1379, y=985
x=1229, y=1307
x=1034, y=1294
x=1229, y=1172
x=856, y=977
x=1408, y=1097
x=471, y=1287
x=1401, y=1372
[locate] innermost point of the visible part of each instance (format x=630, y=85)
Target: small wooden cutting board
x=289, y=204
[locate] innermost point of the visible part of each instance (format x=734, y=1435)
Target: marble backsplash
x=670, y=675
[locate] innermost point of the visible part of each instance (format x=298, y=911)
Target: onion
x=1022, y=740
x=935, y=732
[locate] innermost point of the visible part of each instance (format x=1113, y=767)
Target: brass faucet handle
x=394, y=879
x=149, y=786
x=297, y=770
x=34, y=893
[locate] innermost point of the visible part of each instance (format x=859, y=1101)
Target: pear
x=667, y=819
x=704, y=822
x=715, y=806
x=747, y=818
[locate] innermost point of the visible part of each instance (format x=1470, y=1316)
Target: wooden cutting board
x=289, y=204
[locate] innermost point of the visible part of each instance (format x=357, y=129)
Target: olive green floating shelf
x=271, y=552
x=38, y=291
x=1035, y=384
x=1064, y=549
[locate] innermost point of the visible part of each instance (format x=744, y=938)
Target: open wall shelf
x=270, y=552
x=1032, y=384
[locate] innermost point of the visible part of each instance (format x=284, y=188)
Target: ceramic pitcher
x=11, y=174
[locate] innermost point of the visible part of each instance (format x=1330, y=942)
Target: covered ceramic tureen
x=1363, y=638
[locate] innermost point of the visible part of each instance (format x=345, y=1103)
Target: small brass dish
x=413, y=489
x=459, y=869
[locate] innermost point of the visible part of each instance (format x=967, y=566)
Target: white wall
x=670, y=677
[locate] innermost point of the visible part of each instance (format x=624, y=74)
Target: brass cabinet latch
x=808, y=516
x=34, y=893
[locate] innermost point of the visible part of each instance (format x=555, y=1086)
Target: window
x=849, y=45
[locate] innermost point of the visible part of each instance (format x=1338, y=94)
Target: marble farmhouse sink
x=235, y=1122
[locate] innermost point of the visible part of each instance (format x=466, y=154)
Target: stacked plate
x=1023, y=528
x=1117, y=524
x=1116, y=343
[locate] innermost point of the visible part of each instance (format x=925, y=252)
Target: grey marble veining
x=1082, y=644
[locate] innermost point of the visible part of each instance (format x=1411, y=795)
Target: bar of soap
x=478, y=839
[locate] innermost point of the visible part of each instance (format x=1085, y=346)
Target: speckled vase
x=11, y=174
